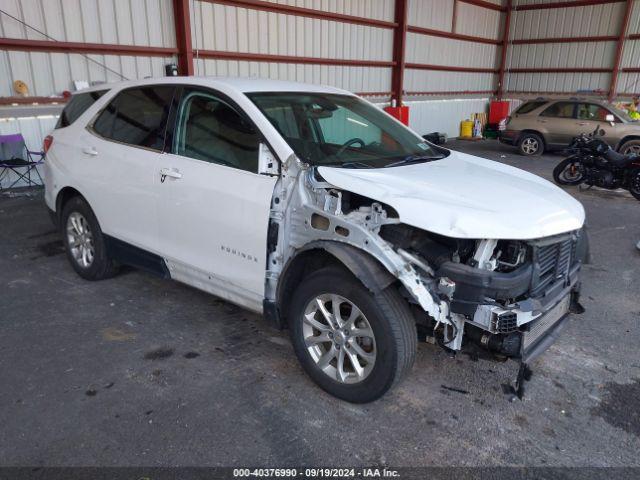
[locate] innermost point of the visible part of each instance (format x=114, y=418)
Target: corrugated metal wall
x=120, y=22
x=630, y=82
x=236, y=29
x=470, y=20
x=582, y=21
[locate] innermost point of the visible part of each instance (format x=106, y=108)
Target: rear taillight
x=46, y=144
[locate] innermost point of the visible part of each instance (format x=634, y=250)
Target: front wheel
x=353, y=343
x=569, y=172
x=531, y=144
x=634, y=184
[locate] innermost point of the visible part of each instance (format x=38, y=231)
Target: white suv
x=317, y=209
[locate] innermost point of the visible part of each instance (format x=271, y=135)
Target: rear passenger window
x=560, y=110
x=529, y=107
x=137, y=116
x=211, y=130
x=77, y=105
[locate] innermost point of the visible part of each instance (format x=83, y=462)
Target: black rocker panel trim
x=133, y=256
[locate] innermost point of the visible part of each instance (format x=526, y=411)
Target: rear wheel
x=569, y=172
x=353, y=343
x=531, y=144
x=84, y=242
x=632, y=146
x=634, y=184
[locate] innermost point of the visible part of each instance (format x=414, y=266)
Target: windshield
x=341, y=130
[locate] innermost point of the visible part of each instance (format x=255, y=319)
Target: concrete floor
x=141, y=371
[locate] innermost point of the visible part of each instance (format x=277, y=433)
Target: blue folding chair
x=16, y=158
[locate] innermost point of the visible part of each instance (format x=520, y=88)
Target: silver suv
x=544, y=124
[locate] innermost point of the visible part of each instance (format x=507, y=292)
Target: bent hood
x=463, y=196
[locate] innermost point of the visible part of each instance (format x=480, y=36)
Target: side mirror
x=611, y=119
x=267, y=162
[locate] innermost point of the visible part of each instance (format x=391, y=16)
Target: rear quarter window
x=77, y=105
x=529, y=107
x=137, y=116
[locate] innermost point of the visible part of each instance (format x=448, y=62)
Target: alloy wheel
x=339, y=338
x=530, y=146
x=632, y=149
x=572, y=173
x=80, y=240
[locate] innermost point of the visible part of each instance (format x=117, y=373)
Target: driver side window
x=211, y=130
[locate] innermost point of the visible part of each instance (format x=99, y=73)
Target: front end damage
x=510, y=297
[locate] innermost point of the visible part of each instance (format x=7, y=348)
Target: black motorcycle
x=593, y=162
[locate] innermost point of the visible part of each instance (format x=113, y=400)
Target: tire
x=390, y=345
x=559, y=173
x=78, y=224
x=530, y=144
x=634, y=184
x=632, y=146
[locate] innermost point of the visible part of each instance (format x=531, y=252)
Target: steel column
x=182, y=19
x=505, y=47
x=620, y=47
x=399, y=48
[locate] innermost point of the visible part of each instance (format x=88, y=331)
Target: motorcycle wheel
x=569, y=172
x=634, y=184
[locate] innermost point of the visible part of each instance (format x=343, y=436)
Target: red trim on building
x=453, y=92
x=559, y=70
x=577, y=3
x=531, y=41
x=79, y=47
x=304, y=12
x=596, y=93
x=454, y=16
x=505, y=48
x=182, y=20
x=8, y=101
x=446, y=68
x=613, y=85
x=263, y=57
x=399, y=51
x=484, y=4
x=374, y=94
x=455, y=36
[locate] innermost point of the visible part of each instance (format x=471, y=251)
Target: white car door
x=215, y=206
x=120, y=153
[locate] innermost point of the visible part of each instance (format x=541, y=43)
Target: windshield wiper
x=413, y=159
x=355, y=165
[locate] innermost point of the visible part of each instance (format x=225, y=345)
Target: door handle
x=582, y=124
x=542, y=121
x=90, y=151
x=169, y=172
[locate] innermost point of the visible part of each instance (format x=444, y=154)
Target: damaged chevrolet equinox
x=318, y=210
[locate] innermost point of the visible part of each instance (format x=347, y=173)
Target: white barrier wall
x=443, y=115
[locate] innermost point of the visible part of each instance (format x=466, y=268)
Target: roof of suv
x=240, y=84
x=566, y=99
